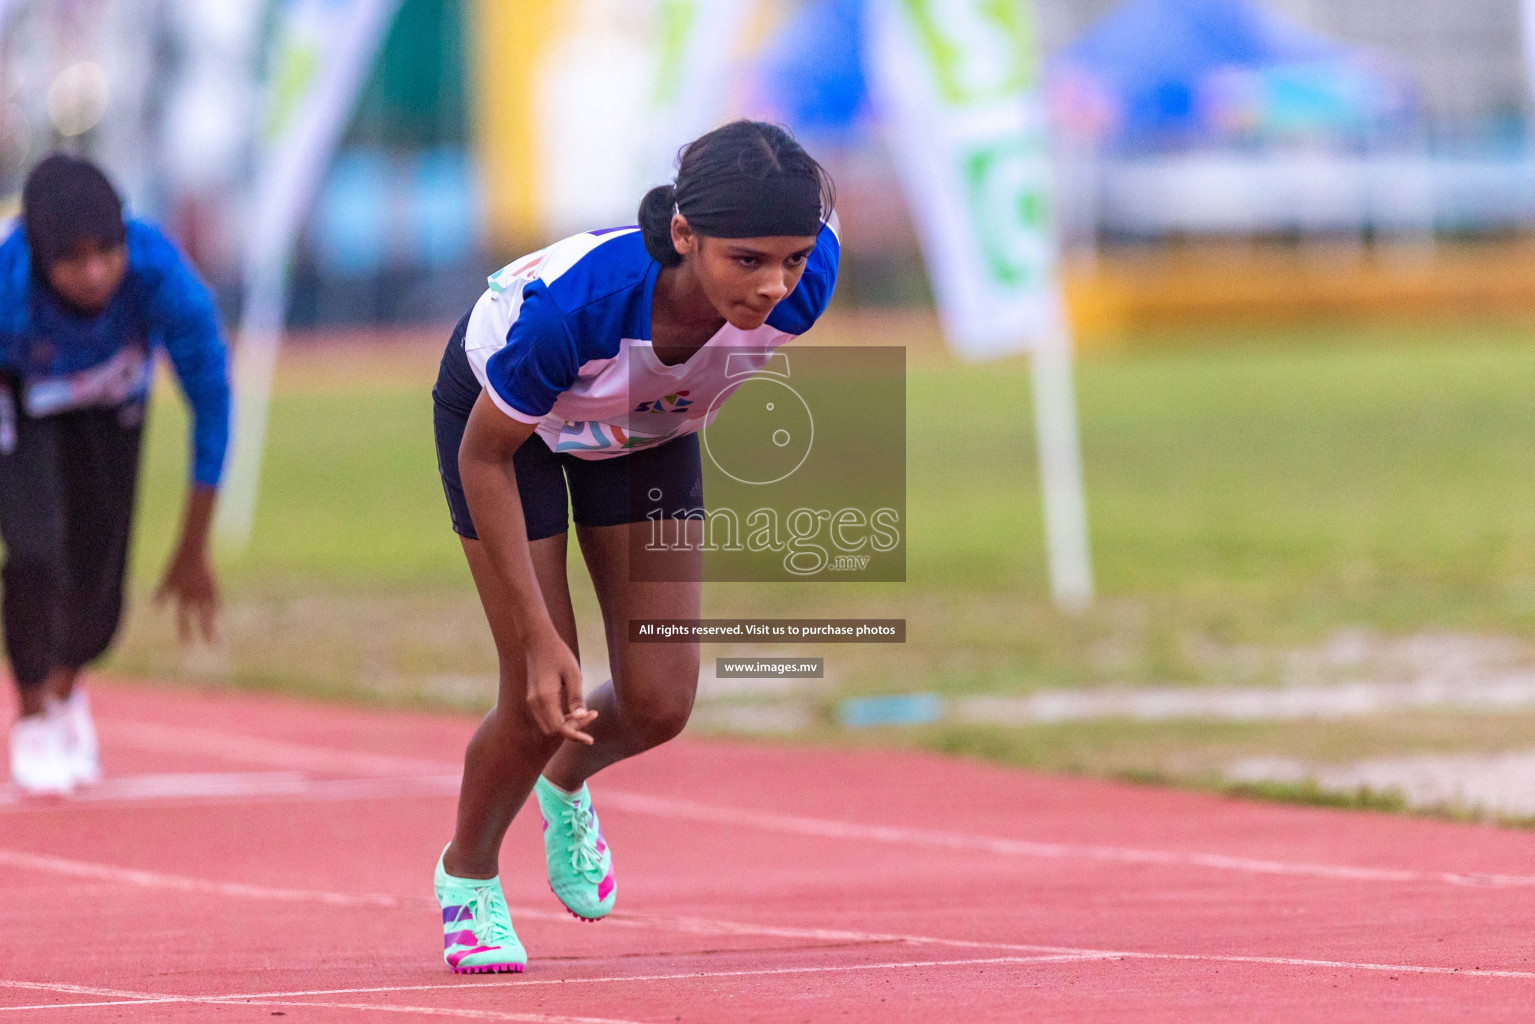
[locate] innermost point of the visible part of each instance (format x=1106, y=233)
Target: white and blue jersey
x=63, y=361
x=561, y=338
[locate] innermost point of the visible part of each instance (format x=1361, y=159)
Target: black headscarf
x=65, y=201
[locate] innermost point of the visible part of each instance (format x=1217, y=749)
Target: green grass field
x=1249, y=494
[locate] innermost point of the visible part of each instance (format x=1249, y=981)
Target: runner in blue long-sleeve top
x=87, y=301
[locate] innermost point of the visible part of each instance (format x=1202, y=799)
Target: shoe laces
x=581, y=822
x=490, y=916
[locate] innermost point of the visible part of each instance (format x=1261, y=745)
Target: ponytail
x=656, y=211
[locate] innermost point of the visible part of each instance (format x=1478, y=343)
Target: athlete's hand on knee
x=555, y=691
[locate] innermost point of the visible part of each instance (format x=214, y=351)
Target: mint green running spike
x=580, y=863
x=477, y=935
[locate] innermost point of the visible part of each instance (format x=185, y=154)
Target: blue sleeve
x=182, y=312
x=539, y=361
x=801, y=308
x=15, y=288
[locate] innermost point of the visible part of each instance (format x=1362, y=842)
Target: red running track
x=251, y=857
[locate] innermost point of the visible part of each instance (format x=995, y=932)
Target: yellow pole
x=507, y=37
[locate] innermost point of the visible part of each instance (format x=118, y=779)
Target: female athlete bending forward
x=588, y=369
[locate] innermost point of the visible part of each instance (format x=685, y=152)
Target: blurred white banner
x=957, y=89
x=619, y=89
x=701, y=52
x=1527, y=30
x=956, y=85
x=324, y=51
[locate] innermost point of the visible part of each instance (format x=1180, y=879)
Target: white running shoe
x=39, y=763
x=80, y=746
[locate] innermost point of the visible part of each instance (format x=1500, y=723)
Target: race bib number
x=113, y=382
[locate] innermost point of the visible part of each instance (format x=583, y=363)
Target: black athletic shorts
x=599, y=492
x=67, y=485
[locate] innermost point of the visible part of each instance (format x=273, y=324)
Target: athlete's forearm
x=490, y=488
x=197, y=518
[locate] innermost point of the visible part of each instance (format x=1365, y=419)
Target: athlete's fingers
x=207, y=618
x=572, y=729
x=571, y=690
x=545, y=704
x=574, y=726
x=183, y=621
x=570, y=732
x=544, y=711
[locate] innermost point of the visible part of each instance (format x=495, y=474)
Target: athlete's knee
x=661, y=719
x=664, y=711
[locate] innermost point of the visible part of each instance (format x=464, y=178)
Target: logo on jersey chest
x=666, y=403
x=596, y=436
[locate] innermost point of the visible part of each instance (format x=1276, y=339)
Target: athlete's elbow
x=491, y=449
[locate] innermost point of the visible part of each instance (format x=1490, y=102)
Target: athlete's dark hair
x=745, y=179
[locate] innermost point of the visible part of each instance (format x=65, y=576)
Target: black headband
x=747, y=206
x=66, y=200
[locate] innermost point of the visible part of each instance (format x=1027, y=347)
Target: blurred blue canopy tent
x=1159, y=74
x=812, y=71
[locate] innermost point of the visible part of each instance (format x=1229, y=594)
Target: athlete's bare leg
x=650, y=696
x=58, y=686
x=509, y=749
x=61, y=681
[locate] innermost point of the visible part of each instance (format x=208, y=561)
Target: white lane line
x=684, y=925
x=686, y=810
x=300, y=756
x=127, y=998
x=158, y=880
x=177, y=784
x=298, y=998
x=689, y=925
x=240, y=890
x=1039, y=953
x=68, y=989
x=1072, y=956
x=302, y=997
x=427, y=1011
x=757, y=972
x=703, y=926
x=143, y=790
x=116, y=996
x=282, y=786
x=441, y=1011
x=81, y=1006
x=259, y=750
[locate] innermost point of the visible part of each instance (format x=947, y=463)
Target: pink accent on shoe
x=454, y=958
x=458, y=939
x=601, y=846
x=605, y=886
